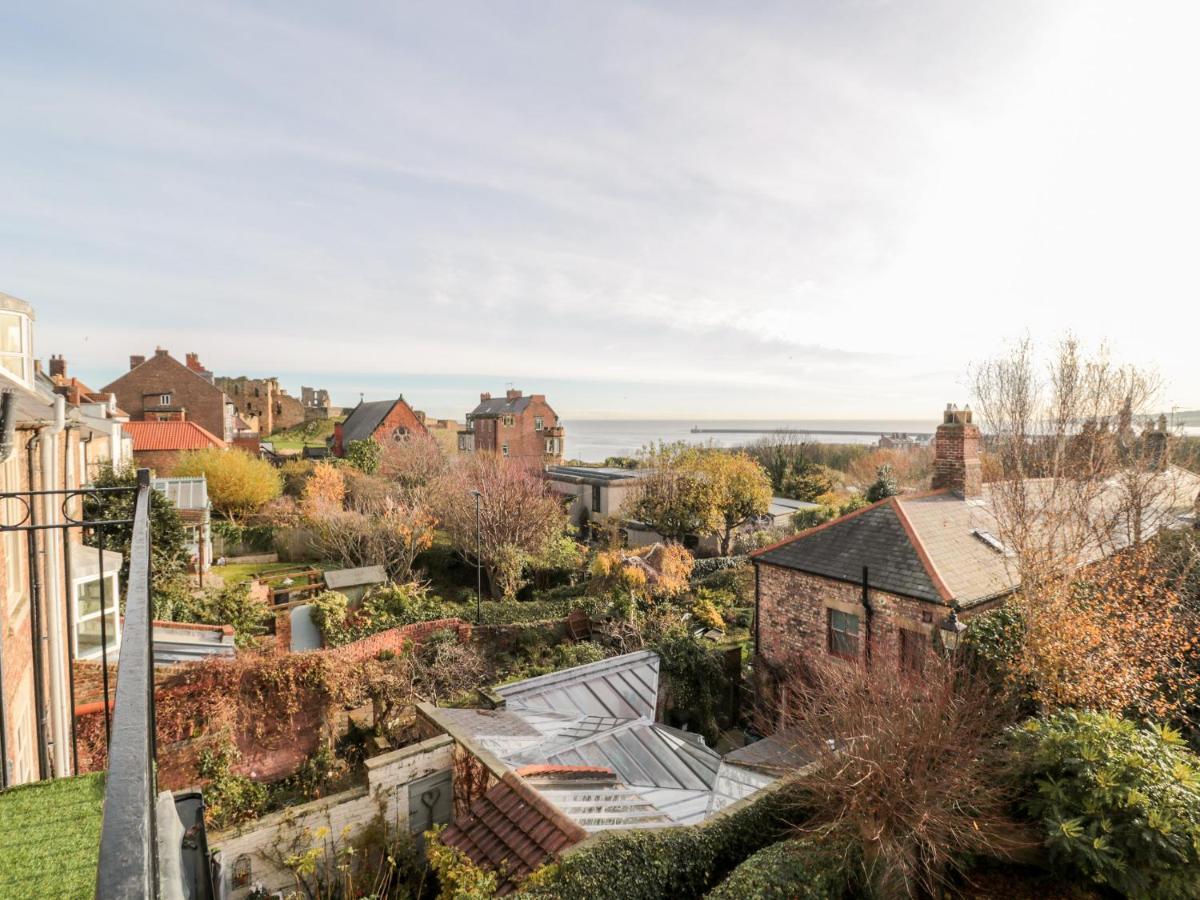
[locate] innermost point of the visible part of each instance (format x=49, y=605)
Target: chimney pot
x=956, y=462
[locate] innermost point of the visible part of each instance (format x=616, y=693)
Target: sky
x=679, y=210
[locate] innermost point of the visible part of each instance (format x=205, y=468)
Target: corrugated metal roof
x=184, y=493
x=170, y=436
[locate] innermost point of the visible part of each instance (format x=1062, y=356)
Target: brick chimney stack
x=956, y=463
x=160, y=351
x=193, y=362
x=512, y=394
x=58, y=366
x=135, y=361
x=485, y=397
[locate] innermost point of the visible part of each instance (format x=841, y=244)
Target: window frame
x=504, y=449
x=164, y=399
x=508, y=420
x=112, y=596
x=24, y=354
x=596, y=498
x=16, y=577
x=832, y=632
x=539, y=423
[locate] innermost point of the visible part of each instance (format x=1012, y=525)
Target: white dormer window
x=16, y=354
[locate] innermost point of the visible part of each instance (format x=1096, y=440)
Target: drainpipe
x=56, y=591
x=868, y=612
x=7, y=446
x=35, y=610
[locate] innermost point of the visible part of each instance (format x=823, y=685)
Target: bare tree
x=386, y=532
x=518, y=516
x=413, y=463
x=1072, y=479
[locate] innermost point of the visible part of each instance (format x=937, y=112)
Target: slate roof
x=876, y=536
x=499, y=406
x=170, y=436
x=364, y=419
x=512, y=829
x=940, y=547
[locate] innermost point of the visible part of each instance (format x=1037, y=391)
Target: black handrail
x=128, y=838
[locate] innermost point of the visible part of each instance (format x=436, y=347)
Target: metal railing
x=128, y=838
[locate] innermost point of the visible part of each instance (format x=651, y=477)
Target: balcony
x=112, y=832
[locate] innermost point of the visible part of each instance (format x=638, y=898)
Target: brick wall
x=401, y=415
x=793, y=618
x=395, y=639
x=160, y=462
x=525, y=441
x=138, y=391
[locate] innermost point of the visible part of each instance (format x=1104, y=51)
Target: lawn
x=239, y=572
x=50, y=837
x=310, y=434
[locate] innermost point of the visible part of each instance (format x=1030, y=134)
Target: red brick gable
x=138, y=389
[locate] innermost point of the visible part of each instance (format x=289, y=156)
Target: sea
x=594, y=440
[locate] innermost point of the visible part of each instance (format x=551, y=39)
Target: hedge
x=788, y=870
x=705, y=567
x=670, y=862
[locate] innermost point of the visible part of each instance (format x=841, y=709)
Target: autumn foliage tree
x=519, y=518
x=1117, y=637
x=740, y=491
x=238, y=484
x=324, y=492
x=676, y=498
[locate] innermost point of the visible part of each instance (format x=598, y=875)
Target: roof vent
x=992, y=541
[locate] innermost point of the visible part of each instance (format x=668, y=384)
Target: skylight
x=992, y=541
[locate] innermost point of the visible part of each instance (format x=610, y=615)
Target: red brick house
x=515, y=426
x=874, y=586
x=160, y=388
x=384, y=421
x=157, y=445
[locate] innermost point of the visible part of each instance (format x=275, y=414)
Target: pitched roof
x=170, y=436
x=876, y=536
x=498, y=406
x=512, y=829
x=940, y=547
x=586, y=739
x=364, y=419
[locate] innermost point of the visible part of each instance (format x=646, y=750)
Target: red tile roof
x=170, y=436
x=512, y=829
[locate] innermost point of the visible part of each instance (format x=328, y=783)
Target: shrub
x=1117, y=802
x=229, y=798
x=696, y=680
x=804, y=519
x=230, y=605
x=458, y=877
x=364, y=456
x=702, y=568
x=788, y=870
x=667, y=862
x=238, y=483
x=705, y=612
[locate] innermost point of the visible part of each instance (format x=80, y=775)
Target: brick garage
x=793, y=618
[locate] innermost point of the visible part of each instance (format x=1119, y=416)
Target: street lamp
x=952, y=631
x=478, y=562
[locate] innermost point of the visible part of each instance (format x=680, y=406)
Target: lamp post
x=952, y=631
x=478, y=562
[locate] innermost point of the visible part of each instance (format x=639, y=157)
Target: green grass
x=310, y=434
x=50, y=837
x=239, y=572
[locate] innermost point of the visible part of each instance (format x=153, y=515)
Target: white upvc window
x=538, y=423
x=15, y=571
x=164, y=399
x=88, y=615
x=16, y=353
x=504, y=449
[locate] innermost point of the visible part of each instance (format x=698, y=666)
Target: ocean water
x=593, y=440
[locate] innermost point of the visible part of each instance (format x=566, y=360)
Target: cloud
x=813, y=209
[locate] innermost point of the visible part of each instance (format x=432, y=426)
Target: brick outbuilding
x=383, y=421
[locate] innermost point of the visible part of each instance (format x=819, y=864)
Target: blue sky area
x=779, y=209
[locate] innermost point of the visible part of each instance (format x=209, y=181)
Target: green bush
x=1117, y=802
x=667, y=862
x=240, y=539
x=364, y=456
x=788, y=870
x=695, y=677
x=705, y=567
x=229, y=605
